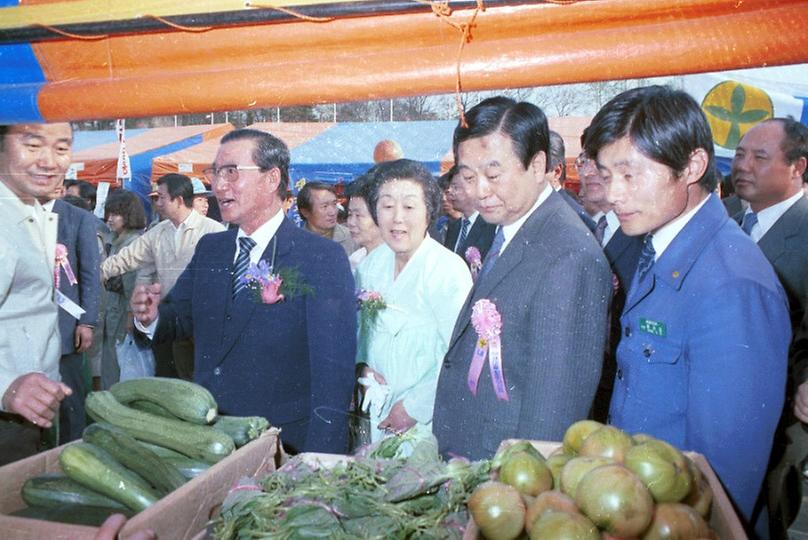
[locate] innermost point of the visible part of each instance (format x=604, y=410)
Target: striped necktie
x=245, y=246
x=464, y=232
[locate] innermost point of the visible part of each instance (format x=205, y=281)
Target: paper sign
x=68, y=305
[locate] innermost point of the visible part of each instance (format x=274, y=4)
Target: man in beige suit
x=33, y=159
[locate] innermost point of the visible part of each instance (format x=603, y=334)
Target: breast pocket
x=656, y=374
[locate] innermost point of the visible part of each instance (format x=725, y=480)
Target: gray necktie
x=600, y=229
x=493, y=253
x=245, y=245
x=749, y=221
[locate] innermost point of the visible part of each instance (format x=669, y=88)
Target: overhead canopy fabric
x=244, y=61
x=99, y=163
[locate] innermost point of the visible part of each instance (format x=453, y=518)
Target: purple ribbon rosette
x=487, y=323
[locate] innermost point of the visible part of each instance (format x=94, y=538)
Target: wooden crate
x=723, y=519
x=178, y=516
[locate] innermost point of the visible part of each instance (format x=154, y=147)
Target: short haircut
x=360, y=187
x=77, y=202
x=557, y=156
x=3, y=132
x=405, y=169
x=269, y=152
x=127, y=205
x=663, y=124
x=446, y=178
x=795, y=141
x=178, y=185
x=524, y=123
x=304, y=196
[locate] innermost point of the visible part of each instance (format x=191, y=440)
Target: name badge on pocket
x=653, y=327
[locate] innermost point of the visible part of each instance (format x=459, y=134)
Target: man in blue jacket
x=288, y=358
x=703, y=356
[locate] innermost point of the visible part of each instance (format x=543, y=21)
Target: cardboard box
x=179, y=515
x=723, y=519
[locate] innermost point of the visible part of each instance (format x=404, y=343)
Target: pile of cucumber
x=150, y=437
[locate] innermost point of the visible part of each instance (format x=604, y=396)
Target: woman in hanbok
x=363, y=229
x=413, y=290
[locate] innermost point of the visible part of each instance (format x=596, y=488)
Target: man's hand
x=35, y=397
x=801, y=403
x=398, y=421
x=113, y=525
x=84, y=338
x=145, y=300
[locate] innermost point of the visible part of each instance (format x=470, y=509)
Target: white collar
x=49, y=205
x=472, y=218
x=262, y=235
x=665, y=235
x=769, y=216
x=509, y=231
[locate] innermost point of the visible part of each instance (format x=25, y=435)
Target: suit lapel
x=242, y=311
x=452, y=230
x=773, y=243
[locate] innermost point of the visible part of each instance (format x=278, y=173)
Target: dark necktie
x=493, y=253
x=646, y=256
x=600, y=229
x=749, y=220
x=245, y=245
x=464, y=232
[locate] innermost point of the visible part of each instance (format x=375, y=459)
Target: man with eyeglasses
x=471, y=230
x=287, y=354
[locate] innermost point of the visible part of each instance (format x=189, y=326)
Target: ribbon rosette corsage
x=369, y=304
x=487, y=323
x=475, y=261
x=62, y=262
x=270, y=287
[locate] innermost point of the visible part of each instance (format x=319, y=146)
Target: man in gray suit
x=767, y=172
x=80, y=282
x=548, y=280
x=31, y=157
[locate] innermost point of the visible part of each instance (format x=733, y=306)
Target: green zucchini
x=92, y=516
x=96, y=469
x=183, y=399
x=56, y=489
x=198, y=442
x=131, y=454
x=242, y=429
x=151, y=408
x=188, y=467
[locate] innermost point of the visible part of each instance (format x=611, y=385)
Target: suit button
x=620, y=374
x=228, y=318
x=627, y=331
x=217, y=371
x=647, y=352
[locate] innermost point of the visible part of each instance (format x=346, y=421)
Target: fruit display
x=134, y=455
x=605, y=484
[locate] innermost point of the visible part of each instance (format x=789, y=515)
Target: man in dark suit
x=557, y=177
x=767, y=172
x=545, y=276
x=470, y=230
x=291, y=358
x=79, y=281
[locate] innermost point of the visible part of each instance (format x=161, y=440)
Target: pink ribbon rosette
x=487, y=323
x=62, y=262
x=475, y=261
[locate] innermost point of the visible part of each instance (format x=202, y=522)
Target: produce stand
x=723, y=519
x=177, y=516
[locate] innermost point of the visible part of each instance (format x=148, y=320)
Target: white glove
x=376, y=395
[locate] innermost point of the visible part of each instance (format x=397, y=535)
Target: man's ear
x=696, y=166
x=539, y=164
x=799, y=167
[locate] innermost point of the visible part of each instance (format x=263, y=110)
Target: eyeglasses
x=229, y=173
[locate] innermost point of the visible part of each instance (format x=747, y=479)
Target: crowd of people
x=489, y=304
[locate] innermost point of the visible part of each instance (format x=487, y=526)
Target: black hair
x=269, y=152
x=795, y=141
x=304, y=201
x=405, y=169
x=663, y=124
x=178, y=185
x=127, y=205
x=77, y=201
x=524, y=123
